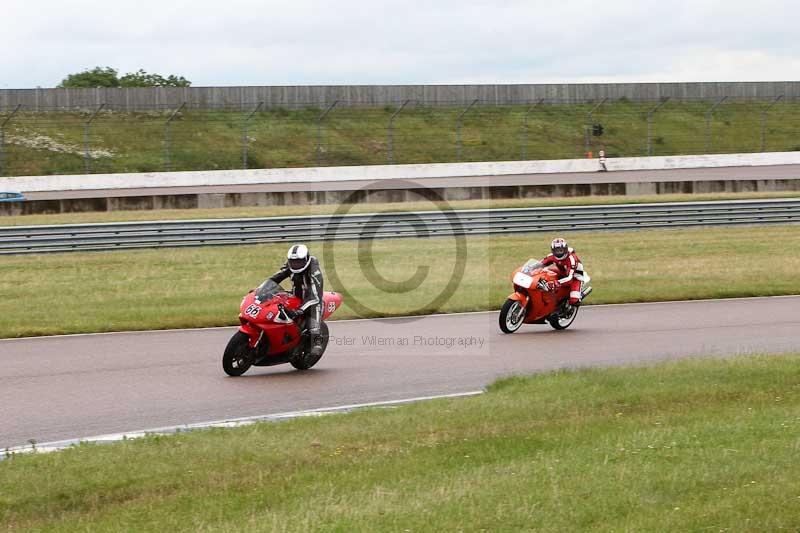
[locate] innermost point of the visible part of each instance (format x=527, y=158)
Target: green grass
x=694, y=445
x=53, y=142
x=177, y=288
x=300, y=210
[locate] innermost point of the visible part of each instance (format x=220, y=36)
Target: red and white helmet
x=559, y=248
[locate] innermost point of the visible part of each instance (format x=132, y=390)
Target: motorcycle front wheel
x=238, y=355
x=512, y=314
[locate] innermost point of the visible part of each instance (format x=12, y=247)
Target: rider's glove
x=553, y=286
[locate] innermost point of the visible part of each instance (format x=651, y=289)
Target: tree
x=108, y=77
x=144, y=79
x=96, y=77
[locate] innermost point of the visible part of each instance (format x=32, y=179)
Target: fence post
x=709, y=114
x=588, y=127
x=764, y=121
x=460, y=116
x=86, y=126
x=319, y=130
x=650, y=114
x=390, y=133
x=3, y=139
x=524, y=141
x=245, y=139
x=167, y=138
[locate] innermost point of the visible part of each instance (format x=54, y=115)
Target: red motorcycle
x=268, y=336
x=532, y=302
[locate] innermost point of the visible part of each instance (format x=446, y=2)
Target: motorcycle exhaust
x=586, y=292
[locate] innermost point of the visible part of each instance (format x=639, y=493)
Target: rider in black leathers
x=307, y=285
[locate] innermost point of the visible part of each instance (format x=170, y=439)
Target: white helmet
x=559, y=248
x=298, y=258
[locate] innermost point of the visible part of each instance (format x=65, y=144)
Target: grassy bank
x=306, y=210
x=53, y=142
x=696, y=445
x=176, y=288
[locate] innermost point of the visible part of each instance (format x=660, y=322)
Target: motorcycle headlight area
x=523, y=280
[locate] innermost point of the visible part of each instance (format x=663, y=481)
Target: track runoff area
x=412, y=359
x=172, y=380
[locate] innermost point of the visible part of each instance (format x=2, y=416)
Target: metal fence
x=144, y=98
x=135, y=235
x=105, y=138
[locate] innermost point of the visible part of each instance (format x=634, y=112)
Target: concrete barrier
x=383, y=172
x=380, y=195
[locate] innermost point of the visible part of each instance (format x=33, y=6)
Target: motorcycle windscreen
x=531, y=265
x=267, y=290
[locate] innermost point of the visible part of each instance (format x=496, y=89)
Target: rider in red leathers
x=570, y=269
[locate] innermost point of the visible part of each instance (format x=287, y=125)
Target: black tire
x=560, y=323
x=238, y=356
x=303, y=361
x=509, y=319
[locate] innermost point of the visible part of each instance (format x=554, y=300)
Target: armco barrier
x=133, y=235
x=384, y=172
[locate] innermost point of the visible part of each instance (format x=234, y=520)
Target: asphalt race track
x=79, y=386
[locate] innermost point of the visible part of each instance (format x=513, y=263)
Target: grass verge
x=694, y=445
x=177, y=288
x=54, y=142
x=306, y=210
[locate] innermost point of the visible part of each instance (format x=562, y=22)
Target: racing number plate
x=252, y=310
x=523, y=280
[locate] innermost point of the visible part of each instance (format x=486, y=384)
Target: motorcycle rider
x=570, y=269
x=307, y=285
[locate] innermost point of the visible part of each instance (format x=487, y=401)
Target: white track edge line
x=403, y=317
x=55, y=446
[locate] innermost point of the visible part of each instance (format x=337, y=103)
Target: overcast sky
x=300, y=42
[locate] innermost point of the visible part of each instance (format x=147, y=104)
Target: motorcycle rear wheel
x=303, y=361
x=238, y=356
x=512, y=315
x=558, y=322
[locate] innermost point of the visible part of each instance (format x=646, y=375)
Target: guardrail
x=135, y=235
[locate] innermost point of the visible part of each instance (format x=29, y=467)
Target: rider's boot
x=314, y=334
x=569, y=308
x=316, y=346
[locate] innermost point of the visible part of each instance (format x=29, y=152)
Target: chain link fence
x=107, y=139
